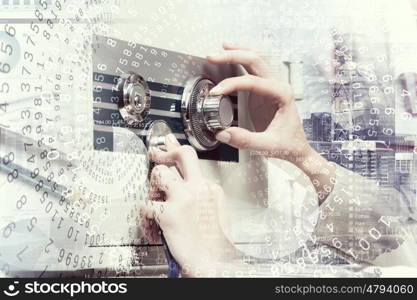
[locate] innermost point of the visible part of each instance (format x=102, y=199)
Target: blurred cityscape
x=359, y=133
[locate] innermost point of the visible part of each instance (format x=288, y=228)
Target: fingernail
x=223, y=136
x=171, y=138
x=217, y=90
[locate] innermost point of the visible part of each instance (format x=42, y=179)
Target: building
x=319, y=127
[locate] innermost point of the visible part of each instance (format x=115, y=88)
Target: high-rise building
x=308, y=129
x=321, y=126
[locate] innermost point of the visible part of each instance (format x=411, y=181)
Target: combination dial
x=134, y=98
x=203, y=115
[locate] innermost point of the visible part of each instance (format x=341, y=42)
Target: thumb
x=242, y=138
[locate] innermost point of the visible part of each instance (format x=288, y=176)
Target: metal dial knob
x=204, y=114
x=157, y=131
x=218, y=112
x=134, y=98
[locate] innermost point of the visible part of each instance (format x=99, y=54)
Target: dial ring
x=134, y=98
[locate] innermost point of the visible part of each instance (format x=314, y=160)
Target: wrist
x=299, y=158
x=320, y=171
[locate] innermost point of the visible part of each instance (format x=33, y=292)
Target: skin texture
x=189, y=209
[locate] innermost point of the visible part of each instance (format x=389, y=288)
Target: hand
x=279, y=131
x=188, y=210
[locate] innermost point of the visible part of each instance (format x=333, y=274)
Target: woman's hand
x=279, y=131
x=188, y=210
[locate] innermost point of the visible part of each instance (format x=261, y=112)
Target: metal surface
x=157, y=131
x=203, y=115
x=166, y=74
x=218, y=112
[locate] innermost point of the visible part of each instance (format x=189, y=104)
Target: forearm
x=321, y=172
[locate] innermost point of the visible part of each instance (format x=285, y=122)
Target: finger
x=184, y=158
x=277, y=91
x=250, y=60
x=161, y=157
x=171, y=142
x=155, y=194
x=176, y=173
x=163, y=179
x=153, y=211
x=156, y=155
x=150, y=229
x=229, y=46
x=244, y=139
x=244, y=57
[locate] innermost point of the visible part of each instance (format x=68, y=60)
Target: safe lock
x=202, y=114
x=146, y=93
x=134, y=98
